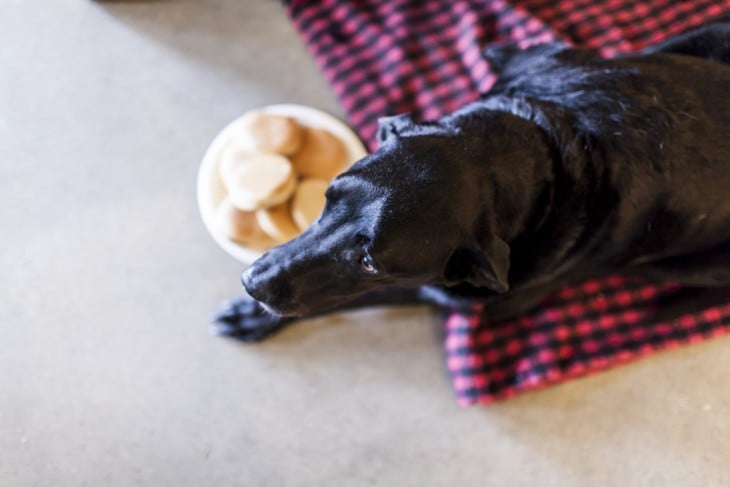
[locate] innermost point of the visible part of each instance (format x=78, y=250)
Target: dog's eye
x=367, y=264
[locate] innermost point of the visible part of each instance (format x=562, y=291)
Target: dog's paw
x=246, y=319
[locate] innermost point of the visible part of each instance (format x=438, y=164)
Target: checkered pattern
x=395, y=56
x=582, y=329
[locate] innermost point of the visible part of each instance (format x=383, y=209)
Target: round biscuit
x=241, y=226
x=259, y=180
x=266, y=132
x=231, y=156
x=321, y=155
x=308, y=201
x=277, y=222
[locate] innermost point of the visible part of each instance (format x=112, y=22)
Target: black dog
x=572, y=166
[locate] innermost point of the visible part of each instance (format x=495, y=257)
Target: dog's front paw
x=246, y=319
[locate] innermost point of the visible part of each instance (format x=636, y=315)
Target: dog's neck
x=535, y=175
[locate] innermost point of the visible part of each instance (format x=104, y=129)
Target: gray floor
x=108, y=375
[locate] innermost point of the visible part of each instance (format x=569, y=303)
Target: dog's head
x=416, y=211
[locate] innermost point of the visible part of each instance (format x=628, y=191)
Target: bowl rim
x=207, y=171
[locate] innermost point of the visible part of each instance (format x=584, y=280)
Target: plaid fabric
x=388, y=57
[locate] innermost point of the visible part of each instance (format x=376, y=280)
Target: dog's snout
x=266, y=284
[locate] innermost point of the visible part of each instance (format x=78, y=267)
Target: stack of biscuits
x=275, y=172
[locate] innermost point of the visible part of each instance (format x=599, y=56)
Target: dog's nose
x=266, y=284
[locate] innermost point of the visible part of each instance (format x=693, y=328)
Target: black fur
x=572, y=166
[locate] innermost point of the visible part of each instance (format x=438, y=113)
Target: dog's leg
x=711, y=42
x=247, y=320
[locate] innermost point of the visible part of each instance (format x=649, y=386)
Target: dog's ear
x=392, y=127
x=499, y=55
x=480, y=267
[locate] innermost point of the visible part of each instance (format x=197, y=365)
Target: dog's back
x=693, y=142
x=657, y=126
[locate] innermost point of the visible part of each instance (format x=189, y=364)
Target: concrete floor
x=108, y=375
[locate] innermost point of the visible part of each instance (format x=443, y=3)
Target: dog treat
x=265, y=132
x=241, y=226
x=258, y=180
x=233, y=155
x=277, y=222
x=321, y=155
x=267, y=160
x=308, y=201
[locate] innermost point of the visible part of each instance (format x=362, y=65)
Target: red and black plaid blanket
x=394, y=56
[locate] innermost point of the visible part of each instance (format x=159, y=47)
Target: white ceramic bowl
x=210, y=187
